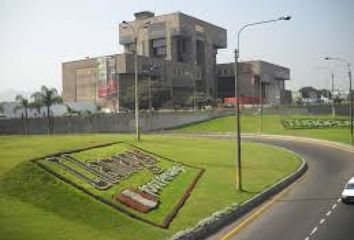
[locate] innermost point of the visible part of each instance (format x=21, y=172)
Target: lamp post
x=149, y=71
x=194, y=95
x=135, y=32
x=332, y=91
x=238, y=178
x=350, y=94
x=333, y=106
x=260, y=106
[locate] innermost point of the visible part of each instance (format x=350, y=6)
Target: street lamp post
x=149, y=71
x=260, y=106
x=350, y=94
x=136, y=97
x=194, y=95
x=333, y=106
x=238, y=178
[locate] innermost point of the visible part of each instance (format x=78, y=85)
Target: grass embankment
x=35, y=205
x=271, y=125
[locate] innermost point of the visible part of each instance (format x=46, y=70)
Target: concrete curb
x=224, y=220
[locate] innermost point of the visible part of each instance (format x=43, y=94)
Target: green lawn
x=35, y=205
x=271, y=125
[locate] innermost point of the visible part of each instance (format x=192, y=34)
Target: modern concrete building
x=176, y=50
x=256, y=78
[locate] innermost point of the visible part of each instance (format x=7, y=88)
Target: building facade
x=257, y=79
x=175, y=50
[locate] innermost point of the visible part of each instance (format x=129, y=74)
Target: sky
x=37, y=36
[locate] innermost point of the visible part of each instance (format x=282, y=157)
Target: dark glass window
x=159, y=48
x=181, y=50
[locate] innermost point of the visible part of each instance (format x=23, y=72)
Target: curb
x=212, y=227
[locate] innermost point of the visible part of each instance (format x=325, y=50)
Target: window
x=200, y=52
x=158, y=47
x=181, y=50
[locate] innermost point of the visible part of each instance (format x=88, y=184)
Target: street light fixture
x=135, y=31
x=350, y=94
x=237, y=98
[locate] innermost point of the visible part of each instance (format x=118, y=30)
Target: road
x=311, y=209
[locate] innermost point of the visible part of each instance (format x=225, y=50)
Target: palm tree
x=69, y=113
x=2, y=107
x=36, y=104
x=47, y=97
x=23, y=104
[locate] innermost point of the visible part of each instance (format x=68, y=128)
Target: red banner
x=243, y=100
x=108, y=89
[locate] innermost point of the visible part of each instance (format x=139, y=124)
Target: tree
x=352, y=94
x=69, y=113
x=47, y=97
x=23, y=104
x=201, y=100
x=338, y=100
x=1, y=107
x=326, y=93
x=36, y=104
x=160, y=94
x=305, y=92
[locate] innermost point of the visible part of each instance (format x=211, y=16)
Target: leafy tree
x=201, y=100
x=69, y=113
x=159, y=95
x=338, y=100
x=47, y=97
x=326, y=93
x=36, y=104
x=23, y=104
x=305, y=92
x=352, y=94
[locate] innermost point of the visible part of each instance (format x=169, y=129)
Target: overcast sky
x=37, y=36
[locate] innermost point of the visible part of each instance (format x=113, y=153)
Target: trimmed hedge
x=315, y=123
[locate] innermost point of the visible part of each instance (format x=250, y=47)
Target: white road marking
x=323, y=220
x=313, y=231
x=339, y=200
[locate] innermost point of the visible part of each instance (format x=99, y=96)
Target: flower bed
x=138, y=200
x=134, y=197
x=153, y=187
x=315, y=123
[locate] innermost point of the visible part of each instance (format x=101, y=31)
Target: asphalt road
x=311, y=208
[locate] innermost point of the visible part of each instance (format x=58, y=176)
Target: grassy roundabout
x=37, y=205
x=272, y=124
